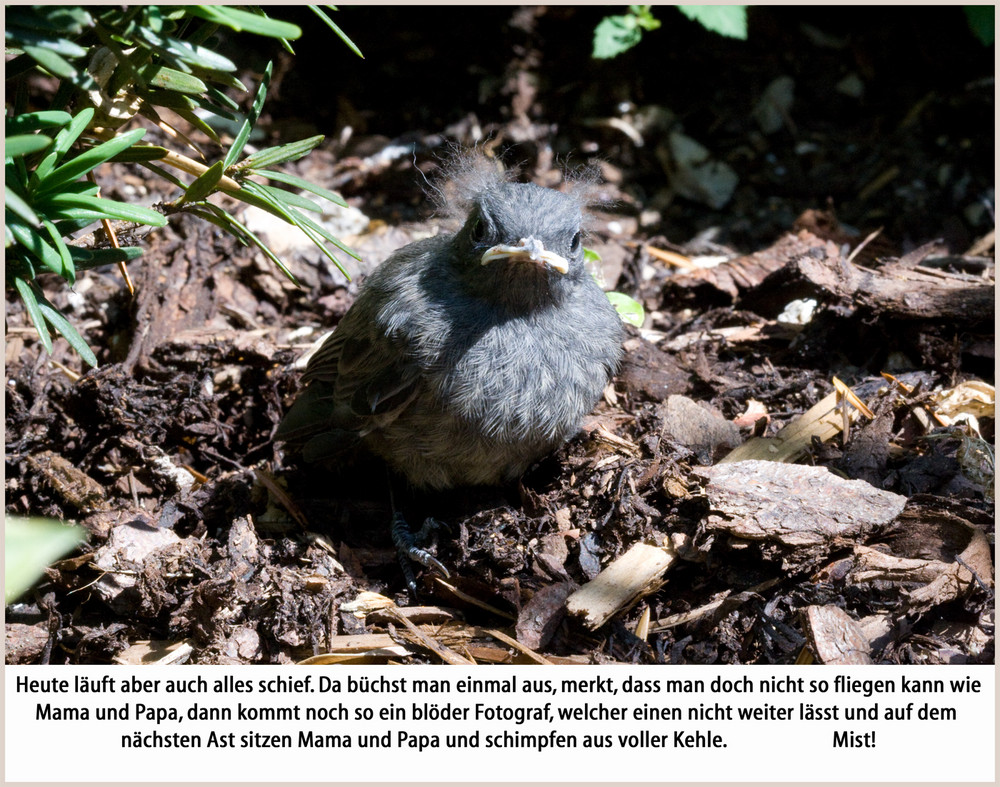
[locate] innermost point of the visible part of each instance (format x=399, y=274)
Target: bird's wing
x=359, y=379
x=377, y=378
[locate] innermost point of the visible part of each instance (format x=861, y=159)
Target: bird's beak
x=528, y=250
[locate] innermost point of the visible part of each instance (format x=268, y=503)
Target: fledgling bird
x=467, y=356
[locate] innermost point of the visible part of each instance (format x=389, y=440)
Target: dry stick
x=113, y=238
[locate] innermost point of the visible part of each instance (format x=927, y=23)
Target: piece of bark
x=795, y=512
x=621, y=584
x=934, y=547
x=896, y=289
x=551, y=553
x=834, y=637
x=121, y=558
x=866, y=455
x=24, y=643
x=541, y=616
x=72, y=487
x=243, y=645
x=527, y=655
x=648, y=371
x=697, y=427
x=879, y=629
x=174, y=292
x=728, y=281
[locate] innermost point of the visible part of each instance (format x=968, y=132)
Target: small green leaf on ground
x=726, y=20
x=30, y=545
x=629, y=309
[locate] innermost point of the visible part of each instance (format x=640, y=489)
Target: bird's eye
x=478, y=230
x=575, y=245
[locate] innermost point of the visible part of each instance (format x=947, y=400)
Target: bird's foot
x=409, y=552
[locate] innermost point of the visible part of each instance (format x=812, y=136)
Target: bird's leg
x=406, y=545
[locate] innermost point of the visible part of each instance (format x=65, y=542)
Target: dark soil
x=256, y=555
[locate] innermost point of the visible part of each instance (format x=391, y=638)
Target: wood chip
x=155, y=652
x=631, y=576
x=797, y=511
x=823, y=420
x=419, y=637
x=834, y=637
x=538, y=658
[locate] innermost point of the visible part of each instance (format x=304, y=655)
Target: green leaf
x=32, y=240
x=629, y=309
x=172, y=79
x=305, y=185
x=52, y=62
x=250, y=121
x=315, y=232
x=180, y=102
x=74, y=206
x=85, y=259
x=318, y=242
x=166, y=174
x=268, y=157
x=257, y=195
x=167, y=98
x=63, y=142
x=68, y=272
x=55, y=318
x=726, y=20
x=89, y=160
x=76, y=187
x=614, y=35
x=982, y=22
x=245, y=21
x=204, y=184
x=154, y=19
x=15, y=172
x=32, y=121
x=24, y=144
x=140, y=153
x=226, y=80
x=592, y=264
x=305, y=221
x=27, y=293
x=205, y=212
x=199, y=124
x=644, y=17
x=59, y=45
x=288, y=198
x=30, y=546
x=225, y=105
x=340, y=33
x=66, y=20
x=14, y=203
x=195, y=56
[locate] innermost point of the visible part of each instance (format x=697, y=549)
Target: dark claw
x=410, y=553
